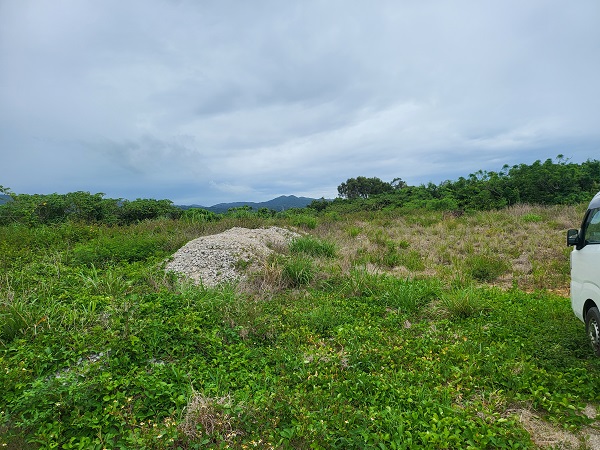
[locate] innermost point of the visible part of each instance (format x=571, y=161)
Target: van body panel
x=585, y=261
x=585, y=277
x=585, y=272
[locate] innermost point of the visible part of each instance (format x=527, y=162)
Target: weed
x=312, y=247
x=15, y=317
x=20, y=316
x=531, y=217
x=324, y=319
x=242, y=264
x=354, y=231
x=408, y=296
x=109, y=283
x=298, y=271
x=485, y=268
x=463, y=303
x=304, y=221
x=360, y=282
x=270, y=275
x=210, y=420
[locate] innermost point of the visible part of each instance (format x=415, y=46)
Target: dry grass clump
x=546, y=435
x=211, y=417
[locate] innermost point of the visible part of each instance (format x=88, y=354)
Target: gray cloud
x=204, y=102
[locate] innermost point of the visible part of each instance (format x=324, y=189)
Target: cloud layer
x=211, y=101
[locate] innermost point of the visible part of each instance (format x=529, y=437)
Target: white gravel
x=211, y=260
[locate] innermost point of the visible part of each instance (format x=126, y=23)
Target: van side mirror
x=572, y=237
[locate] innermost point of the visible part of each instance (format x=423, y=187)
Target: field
x=386, y=330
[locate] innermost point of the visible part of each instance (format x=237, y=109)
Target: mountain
x=4, y=198
x=277, y=204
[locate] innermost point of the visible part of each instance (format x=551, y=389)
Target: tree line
x=38, y=209
x=84, y=207
x=546, y=183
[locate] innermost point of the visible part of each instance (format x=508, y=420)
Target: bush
x=304, y=221
x=199, y=215
x=144, y=209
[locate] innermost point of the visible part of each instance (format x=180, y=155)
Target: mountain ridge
x=280, y=203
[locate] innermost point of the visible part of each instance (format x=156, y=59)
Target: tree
x=363, y=187
x=144, y=209
x=398, y=183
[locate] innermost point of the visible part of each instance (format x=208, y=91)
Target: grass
x=464, y=332
x=311, y=246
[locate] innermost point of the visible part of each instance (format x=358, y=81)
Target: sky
x=203, y=102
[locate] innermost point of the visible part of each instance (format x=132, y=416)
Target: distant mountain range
x=277, y=204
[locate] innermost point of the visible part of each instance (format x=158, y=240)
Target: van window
x=592, y=228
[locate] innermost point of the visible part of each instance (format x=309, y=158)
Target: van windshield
x=592, y=229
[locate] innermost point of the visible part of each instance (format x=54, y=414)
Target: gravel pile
x=211, y=260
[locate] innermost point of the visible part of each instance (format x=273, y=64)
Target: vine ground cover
x=350, y=344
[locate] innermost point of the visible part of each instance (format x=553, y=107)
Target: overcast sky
x=201, y=101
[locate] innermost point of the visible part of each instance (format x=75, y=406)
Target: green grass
x=313, y=247
x=104, y=350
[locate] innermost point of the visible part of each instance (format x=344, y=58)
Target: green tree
x=143, y=209
x=363, y=187
x=319, y=204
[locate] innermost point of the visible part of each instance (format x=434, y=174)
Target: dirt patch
x=546, y=435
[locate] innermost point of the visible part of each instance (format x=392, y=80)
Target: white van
x=585, y=272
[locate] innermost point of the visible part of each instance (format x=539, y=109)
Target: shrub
x=144, y=209
x=240, y=212
x=199, y=215
x=304, y=221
